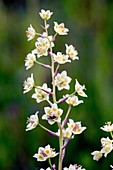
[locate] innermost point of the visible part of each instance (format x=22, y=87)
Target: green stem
x=53, y=80
x=49, y=160
x=52, y=66
x=111, y=134
x=60, y=145
x=66, y=117
x=49, y=131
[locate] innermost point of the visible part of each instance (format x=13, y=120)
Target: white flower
x=41, y=93
x=108, y=127
x=46, y=169
x=106, y=149
x=60, y=28
x=29, y=61
x=73, y=100
x=111, y=166
x=30, y=33
x=61, y=58
x=42, y=47
x=75, y=127
x=45, y=153
x=45, y=14
x=62, y=81
x=52, y=114
x=74, y=167
x=107, y=146
x=49, y=39
x=67, y=133
x=29, y=84
x=106, y=141
x=79, y=89
x=70, y=50
x=96, y=155
x=32, y=122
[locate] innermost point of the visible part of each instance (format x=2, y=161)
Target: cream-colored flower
x=41, y=93
x=52, y=114
x=73, y=100
x=96, y=155
x=45, y=153
x=29, y=84
x=70, y=50
x=45, y=14
x=61, y=58
x=32, y=122
x=60, y=28
x=42, y=47
x=30, y=33
x=107, y=146
x=29, y=61
x=46, y=169
x=75, y=127
x=79, y=89
x=106, y=141
x=67, y=133
x=74, y=167
x=106, y=149
x=62, y=81
x=108, y=127
x=49, y=39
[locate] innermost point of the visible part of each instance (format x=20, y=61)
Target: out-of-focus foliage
x=91, y=31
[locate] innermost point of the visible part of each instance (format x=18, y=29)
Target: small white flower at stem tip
x=52, y=114
x=28, y=84
x=96, y=155
x=70, y=50
x=75, y=127
x=108, y=127
x=62, y=81
x=45, y=14
x=29, y=61
x=32, y=122
x=107, y=146
x=61, y=58
x=41, y=93
x=30, y=33
x=60, y=28
x=73, y=100
x=79, y=89
x=42, y=45
x=45, y=153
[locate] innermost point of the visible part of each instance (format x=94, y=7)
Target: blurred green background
x=91, y=31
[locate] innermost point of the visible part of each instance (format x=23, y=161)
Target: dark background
x=91, y=31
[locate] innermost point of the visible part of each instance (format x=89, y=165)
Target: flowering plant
x=60, y=80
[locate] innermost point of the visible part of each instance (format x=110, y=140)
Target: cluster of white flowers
x=59, y=81
x=106, y=143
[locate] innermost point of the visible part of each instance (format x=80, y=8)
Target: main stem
x=61, y=146
x=54, y=100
